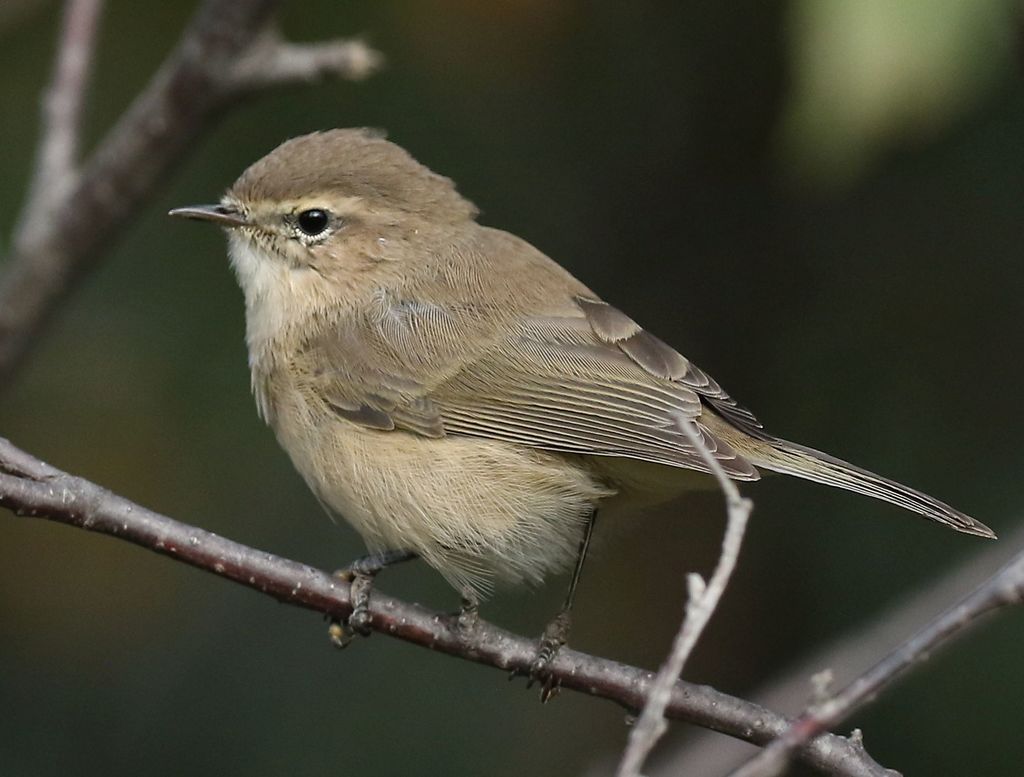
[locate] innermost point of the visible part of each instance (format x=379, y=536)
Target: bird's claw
x=359, y=620
x=551, y=642
x=340, y=634
x=467, y=618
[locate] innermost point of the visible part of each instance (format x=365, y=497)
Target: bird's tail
x=792, y=459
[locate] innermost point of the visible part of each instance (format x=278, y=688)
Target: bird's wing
x=568, y=384
x=586, y=380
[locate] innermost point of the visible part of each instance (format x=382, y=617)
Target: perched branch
x=703, y=600
x=33, y=488
x=1003, y=589
x=196, y=81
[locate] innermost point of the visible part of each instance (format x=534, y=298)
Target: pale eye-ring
x=313, y=222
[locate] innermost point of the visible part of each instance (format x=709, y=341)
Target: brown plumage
x=449, y=389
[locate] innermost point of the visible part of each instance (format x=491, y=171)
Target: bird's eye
x=313, y=222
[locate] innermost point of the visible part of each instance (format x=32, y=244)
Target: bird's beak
x=218, y=214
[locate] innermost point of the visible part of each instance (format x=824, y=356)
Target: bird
x=458, y=396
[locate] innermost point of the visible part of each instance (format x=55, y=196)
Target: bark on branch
x=31, y=488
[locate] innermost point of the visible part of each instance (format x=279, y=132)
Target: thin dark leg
x=360, y=574
x=581, y=556
x=556, y=634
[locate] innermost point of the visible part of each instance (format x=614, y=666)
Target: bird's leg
x=557, y=631
x=360, y=574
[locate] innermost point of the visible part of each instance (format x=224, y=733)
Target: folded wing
x=588, y=382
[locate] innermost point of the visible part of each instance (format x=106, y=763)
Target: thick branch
x=190, y=88
x=36, y=489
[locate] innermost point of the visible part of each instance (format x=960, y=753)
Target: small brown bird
x=455, y=394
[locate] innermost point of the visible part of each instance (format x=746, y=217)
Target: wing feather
x=581, y=378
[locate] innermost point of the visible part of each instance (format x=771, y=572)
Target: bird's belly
x=641, y=484
x=480, y=511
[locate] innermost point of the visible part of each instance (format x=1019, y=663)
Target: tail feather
x=792, y=459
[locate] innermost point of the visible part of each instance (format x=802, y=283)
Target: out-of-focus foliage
x=871, y=75
x=818, y=202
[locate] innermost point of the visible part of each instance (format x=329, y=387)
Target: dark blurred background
x=818, y=202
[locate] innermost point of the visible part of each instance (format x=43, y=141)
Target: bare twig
x=272, y=61
x=196, y=81
x=702, y=602
x=848, y=656
x=62, y=115
x=1003, y=589
x=33, y=488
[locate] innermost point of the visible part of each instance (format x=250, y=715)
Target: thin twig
x=195, y=83
x=1003, y=589
x=57, y=155
x=847, y=656
x=46, y=492
x=272, y=61
x=702, y=601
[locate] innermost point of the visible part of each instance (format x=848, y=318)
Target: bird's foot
x=358, y=622
x=468, y=616
x=555, y=635
x=359, y=575
x=339, y=633
x=359, y=591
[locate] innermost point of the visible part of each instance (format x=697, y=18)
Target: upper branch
x=62, y=113
x=198, y=78
x=31, y=487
